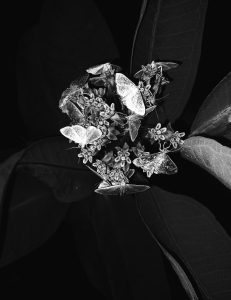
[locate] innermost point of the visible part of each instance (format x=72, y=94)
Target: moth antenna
x=72, y=148
x=95, y=172
x=157, y=115
x=164, y=149
x=96, y=185
x=165, y=96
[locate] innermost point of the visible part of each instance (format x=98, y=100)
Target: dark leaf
x=6, y=170
x=210, y=155
x=31, y=216
x=187, y=285
x=53, y=162
x=192, y=235
x=69, y=37
x=79, y=218
x=141, y=16
x=31, y=212
x=171, y=31
x=214, y=116
x=181, y=274
x=133, y=263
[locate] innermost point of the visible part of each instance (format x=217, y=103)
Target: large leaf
x=45, y=173
x=31, y=216
x=210, y=155
x=79, y=220
x=53, y=162
x=214, y=116
x=32, y=212
x=133, y=264
x=69, y=37
x=171, y=31
x=6, y=170
x=185, y=281
x=192, y=235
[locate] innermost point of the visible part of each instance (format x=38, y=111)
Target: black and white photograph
x=115, y=158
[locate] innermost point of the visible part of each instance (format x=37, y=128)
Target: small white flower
x=87, y=155
x=176, y=140
x=157, y=133
x=123, y=155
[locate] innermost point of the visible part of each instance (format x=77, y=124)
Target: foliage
x=123, y=130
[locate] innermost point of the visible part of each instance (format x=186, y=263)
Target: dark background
x=19, y=18
x=37, y=269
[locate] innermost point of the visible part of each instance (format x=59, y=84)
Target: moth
x=72, y=93
x=105, y=74
x=81, y=135
x=105, y=188
x=157, y=163
x=71, y=97
x=130, y=94
x=152, y=69
x=134, y=122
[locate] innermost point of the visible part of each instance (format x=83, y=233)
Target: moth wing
x=95, y=173
x=149, y=110
x=167, y=65
x=130, y=94
x=79, y=81
x=105, y=188
x=133, y=126
x=124, y=85
x=165, y=165
x=81, y=133
x=99, y=69
x=134, y=102
x=92, y=134
x=64, y=97
x=103, y=184
x=138, y=74
x=70, y=133
x=122, y=189
x=135, y=188
x=119, y=118
x=73, y=112
x=170, y=166
x=98, y=81
x=148, y=163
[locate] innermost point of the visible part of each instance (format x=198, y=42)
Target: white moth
x=102, y=69
x=105, y=188
x=130, y=94
x=152, y=69
x=81, y=135
x=157, y=163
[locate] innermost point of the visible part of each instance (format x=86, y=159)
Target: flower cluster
x=107, y=111
x=167, y=139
